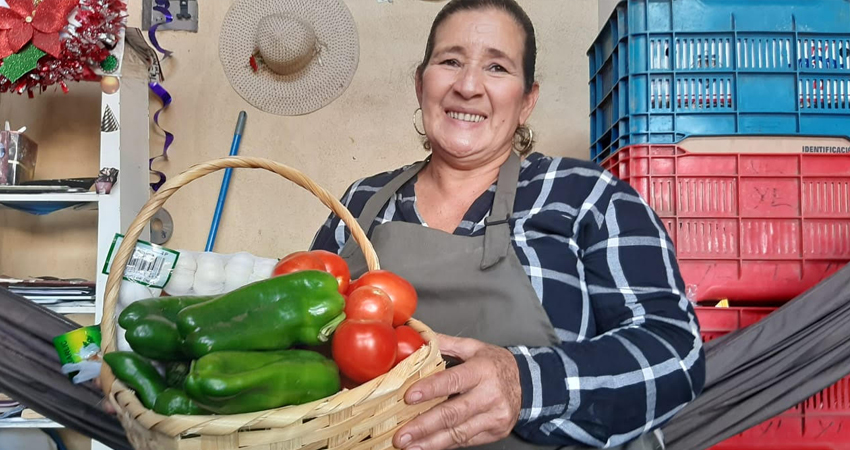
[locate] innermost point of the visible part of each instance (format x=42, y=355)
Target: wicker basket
x=365, y=417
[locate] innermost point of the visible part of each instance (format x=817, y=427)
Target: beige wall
x=367, y=130
x=606, y=7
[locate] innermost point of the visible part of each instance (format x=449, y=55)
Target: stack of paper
x=9, y=407
x=53, y=291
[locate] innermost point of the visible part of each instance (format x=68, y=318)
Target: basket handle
x=122, y=256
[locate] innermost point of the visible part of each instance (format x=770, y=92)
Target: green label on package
x=149, y=265
x=68, y=345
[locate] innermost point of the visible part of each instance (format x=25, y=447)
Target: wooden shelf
x=18, y=422
x=127, y=150
x=89, y=309
x=64, y=197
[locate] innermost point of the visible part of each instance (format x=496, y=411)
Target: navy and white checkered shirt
x=605, y=271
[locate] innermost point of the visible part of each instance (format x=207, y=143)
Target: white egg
x=210, y=276
x=181, y=282
x=131, y=291
x=263, y=268
x=121, y=341
x=238, y=270
x=186, y=260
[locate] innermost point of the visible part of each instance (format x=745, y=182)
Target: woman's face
x=472, y=89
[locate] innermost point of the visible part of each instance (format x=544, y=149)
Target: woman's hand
x=486, y=409
x=105, y=404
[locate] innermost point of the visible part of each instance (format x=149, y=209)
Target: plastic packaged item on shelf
x=78, y=353
x=746, y=226
x=663, y=70
x=210, y=273
x=153, y=269
x=18, y=154
x=88, y=368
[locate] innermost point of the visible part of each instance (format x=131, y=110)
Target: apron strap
x=376, y=202
x=497, y=234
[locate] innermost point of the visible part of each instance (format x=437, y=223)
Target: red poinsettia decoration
x=23, y=22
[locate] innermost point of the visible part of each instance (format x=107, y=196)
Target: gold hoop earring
x=421, y=133
x=527, y=143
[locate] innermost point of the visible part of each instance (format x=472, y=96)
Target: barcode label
x=149, y=265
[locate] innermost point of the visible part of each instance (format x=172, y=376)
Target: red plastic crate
x=822, y=422
x=716, y=322
x=746, y=226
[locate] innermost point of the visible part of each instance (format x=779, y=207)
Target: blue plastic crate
x=664, y=70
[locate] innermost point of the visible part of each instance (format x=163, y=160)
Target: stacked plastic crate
x=732, y=119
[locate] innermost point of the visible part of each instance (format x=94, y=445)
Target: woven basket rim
x=425, y=359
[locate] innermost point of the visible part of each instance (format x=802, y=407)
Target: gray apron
x=473, y=287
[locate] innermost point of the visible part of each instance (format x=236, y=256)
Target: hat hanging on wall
x=289, y=57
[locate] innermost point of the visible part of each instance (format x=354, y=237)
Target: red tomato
x=336, y=266
x=364, y=349
x=401, y=292
x=296, y=262
x=408, y=342
x=369, y=303
x=351, y=287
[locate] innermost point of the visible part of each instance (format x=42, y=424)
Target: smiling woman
x=553, y=283
x=472, y=88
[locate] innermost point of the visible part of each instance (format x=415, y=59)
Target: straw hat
x=306, y=53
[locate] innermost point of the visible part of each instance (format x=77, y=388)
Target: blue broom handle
x=225, y=183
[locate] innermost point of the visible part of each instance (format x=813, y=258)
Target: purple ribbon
x=161, y=7
x=165, y=97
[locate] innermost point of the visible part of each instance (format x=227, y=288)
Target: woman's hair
x=523, y=141
x=511, y=7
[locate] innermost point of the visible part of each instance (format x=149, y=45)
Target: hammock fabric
x=752, y=374
x=30, y=372
x=767, y=368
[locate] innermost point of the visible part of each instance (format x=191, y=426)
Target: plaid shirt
x=604, y=268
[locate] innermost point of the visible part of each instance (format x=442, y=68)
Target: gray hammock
x=767, y=368
x=752, y=374
x=30, y=372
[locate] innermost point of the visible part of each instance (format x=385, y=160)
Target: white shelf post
x=126, y=150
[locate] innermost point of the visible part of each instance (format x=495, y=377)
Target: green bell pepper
x=152, y=329
x=175, y=401
x=273, y=314
x=137, y=373
x=232, y=382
